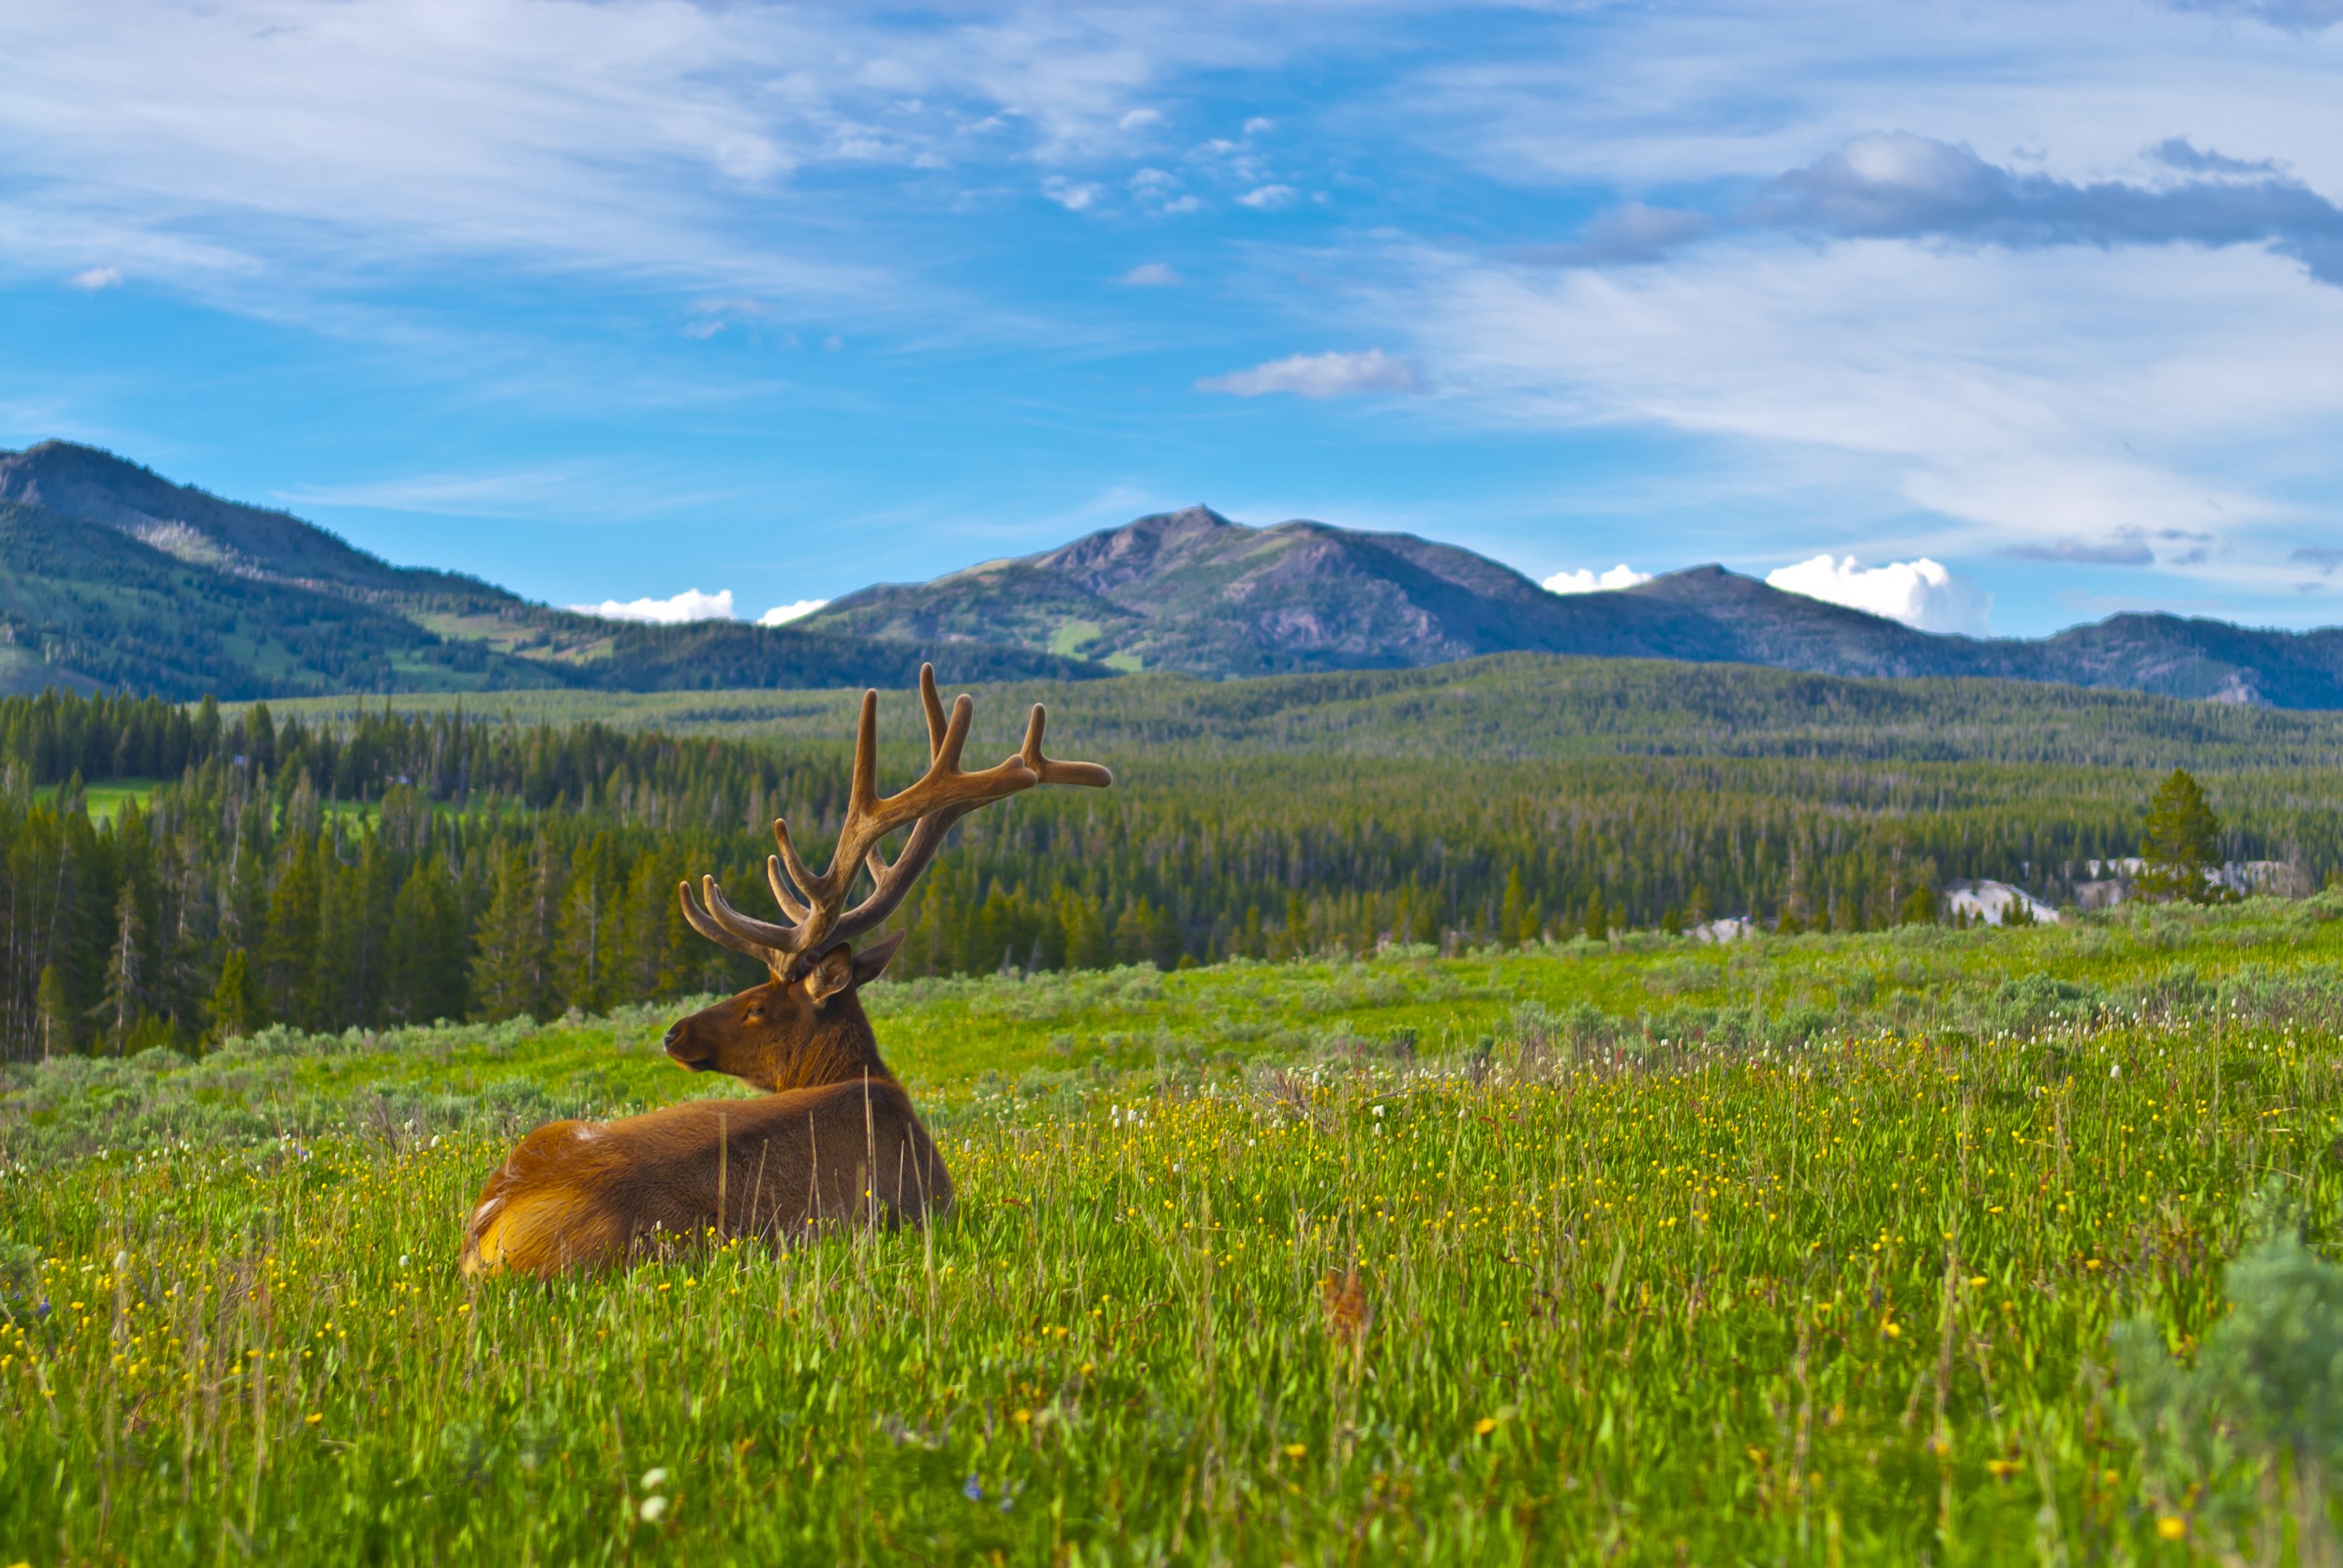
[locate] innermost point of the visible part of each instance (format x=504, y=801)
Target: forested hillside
x=240, y=868
x=1520, y=707
x=113, y=577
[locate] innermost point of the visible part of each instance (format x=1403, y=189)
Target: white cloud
x=2076, y=400
x=1073, y=195
x=1921, y=593
x=1151, y=274
x=1267, y=198
x=689, y=605
x=1328, y=375
x=1585, y=580
x=1710, y=90
x=96, y=278
x=1259, y=123
x=782, y=615
x=258, y=151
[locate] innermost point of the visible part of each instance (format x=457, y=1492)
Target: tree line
x=392, y=868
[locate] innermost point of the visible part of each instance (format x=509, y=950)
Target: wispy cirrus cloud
x=223, y=144
x=2294, y=16
x=2076, y=402
x=1333, y=374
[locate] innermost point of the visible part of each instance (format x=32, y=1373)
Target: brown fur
x=834, y=1139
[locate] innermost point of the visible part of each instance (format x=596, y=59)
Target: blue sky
x=614, y=301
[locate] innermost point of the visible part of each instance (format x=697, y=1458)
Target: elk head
x=805, y=1025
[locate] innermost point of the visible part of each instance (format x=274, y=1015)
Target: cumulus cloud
x=1333, y=374
x=1151, y=274
x=1894, y=184
x=782, y=615
x=689, y=605
x=1586, y=580
x=1073, y=195
x=1920, y=593
x=1139, y=119
x=1267, y=198
x=96, y=278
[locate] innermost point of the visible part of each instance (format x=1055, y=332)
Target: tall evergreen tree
x=426, y=966
x=289, y=951
x=120, y=1006
x=229, y=1013
x=2182, y=846
x=54, y=1007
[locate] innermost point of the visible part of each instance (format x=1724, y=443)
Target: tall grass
x=1804, y=1252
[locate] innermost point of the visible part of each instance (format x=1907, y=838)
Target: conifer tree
x=2181, y=845
x=425, y=962
x=55, y=1011
x=119, y=1007
x=230, y=1011
x=289, y=950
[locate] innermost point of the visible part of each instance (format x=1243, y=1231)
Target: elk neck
x=838, y=1049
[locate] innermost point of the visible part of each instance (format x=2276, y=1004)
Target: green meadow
x=1860, y=1247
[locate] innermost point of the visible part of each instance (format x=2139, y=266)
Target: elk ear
x=831, y=973
x=870, y=963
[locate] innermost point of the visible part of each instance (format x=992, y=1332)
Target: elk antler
x=815, y=906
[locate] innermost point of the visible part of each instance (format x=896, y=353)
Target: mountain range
x=1190, y=591
x=111, y=576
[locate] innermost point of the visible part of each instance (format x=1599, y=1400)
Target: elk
x=833, y=1138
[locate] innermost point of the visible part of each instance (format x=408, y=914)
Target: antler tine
x=934, y=708
x=894, y=881
x=863, y=793
x=760, y=936
x=778, y=880
x=806, y=884
x=955, y=741
x=1087, y=773
x=930, y=807
x=722, y=935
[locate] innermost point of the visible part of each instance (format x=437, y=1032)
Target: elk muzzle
x=687, y=1050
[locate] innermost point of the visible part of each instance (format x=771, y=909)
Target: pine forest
x=180, y=874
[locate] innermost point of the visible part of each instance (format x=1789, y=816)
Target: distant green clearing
x=1805, y=1249
x=106, y=799
x=1072, y=636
